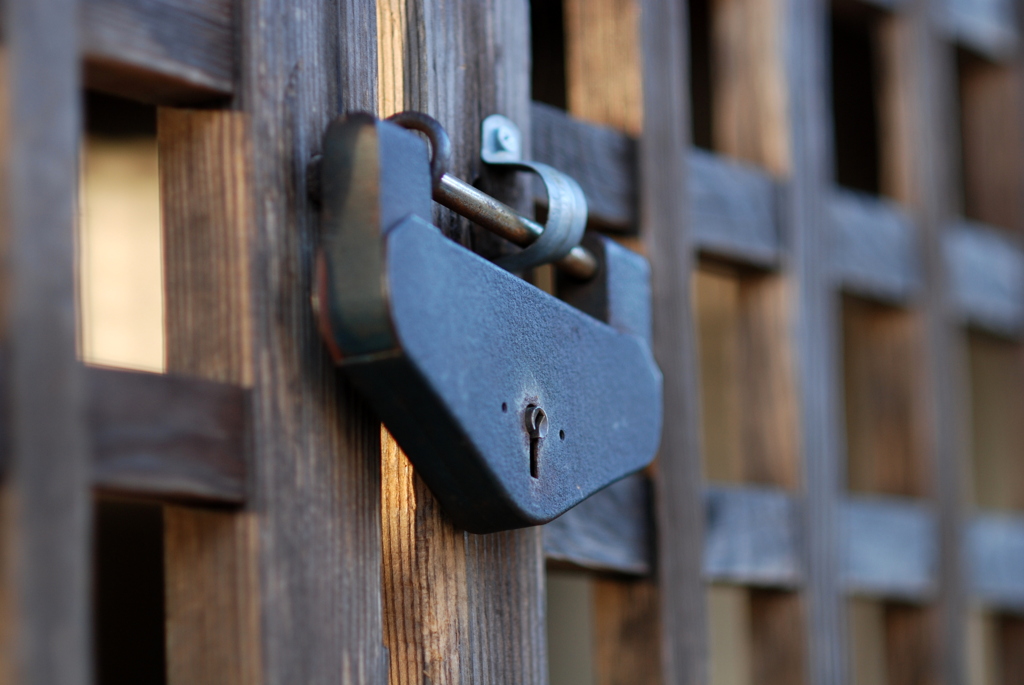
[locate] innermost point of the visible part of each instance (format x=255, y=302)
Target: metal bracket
x=501, y=145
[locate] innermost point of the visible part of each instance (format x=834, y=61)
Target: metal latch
x=513, y=405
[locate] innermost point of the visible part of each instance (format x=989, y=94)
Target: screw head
x=505, y=139
x=536, y=421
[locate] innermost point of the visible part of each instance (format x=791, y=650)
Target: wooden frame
x=280, y=564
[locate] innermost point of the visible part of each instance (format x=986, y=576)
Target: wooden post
x=933, y=191
x=46, y=502
x=288, y=590
x=459, y=607
x=664, y=217
x=816, y=339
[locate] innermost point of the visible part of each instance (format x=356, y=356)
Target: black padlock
x=512, y=405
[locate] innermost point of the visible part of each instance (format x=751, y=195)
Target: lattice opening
x=700, y=73
x=749, y=422
x=997, y=422
x=885, y=423
x=547, y=43
x=855, y=122
x=120, y=251
x=121, y=324
x=890, y=642
x=570, y=628
x=992, y=145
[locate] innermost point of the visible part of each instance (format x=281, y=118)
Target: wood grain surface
x=458, y=607
x=289, y=589
x=46, y=509
x=167, y=438
x=665, y=227
x=169, y=52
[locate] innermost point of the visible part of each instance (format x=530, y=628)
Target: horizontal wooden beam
x=751, y=537
x=610, y=531
x=735, y=218
x=987, y=27
x=166, y=52
x=166, y=438
x=602, y=160
x=987, y=275
x=874, y=247
x=889, y=544
x=995, y=549
x=734, y=210
x=890, y=548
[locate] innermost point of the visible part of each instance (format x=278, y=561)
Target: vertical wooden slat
x=288, y=590
x=211, y=562
x=46, y=514
x=665, y=228
x=750, y=110
x=885, y=426
x=603, y=76
x=816, y=335
x=602, y=55
x=992, y=142
x=933, y=192
x=626, y=632
x=755, y=95
x=459, y=608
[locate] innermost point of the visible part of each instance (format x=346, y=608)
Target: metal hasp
x=512, y=404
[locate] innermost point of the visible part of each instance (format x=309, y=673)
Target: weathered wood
x=602, y=56
x=986, y=272
x=768, y=389
x=873, y=249
x=931, y=189
x=1011, y=649
x=995, y=550
x=46, y=507
x=751, y=117
x=210, y=558
x=816, y=322
x=752, y=537
x=602, y=160
x=991, y=138
x=168, y=52
x=996, y=411
x=732, y=205
x=889, y=548
x=886, y=423
x=716, y=304
x=987, y=26
x=166, y=437
x=733, y=210
x=665, y=228
x=626, y=640
x=909, y=633
x=458, y=608
x=289, y=589
x=779, y=629
x=608, y=532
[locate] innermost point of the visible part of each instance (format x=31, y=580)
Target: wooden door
x=829, y=197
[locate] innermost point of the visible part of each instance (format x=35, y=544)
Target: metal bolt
x=505, y=139
x=536, y=422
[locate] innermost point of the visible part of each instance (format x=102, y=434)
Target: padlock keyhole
x=535, y=457
x=536, y=428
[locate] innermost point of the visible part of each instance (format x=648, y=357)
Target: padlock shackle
x=502, y=220
x=496, y=216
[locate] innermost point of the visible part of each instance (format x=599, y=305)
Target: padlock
x=512, y=404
